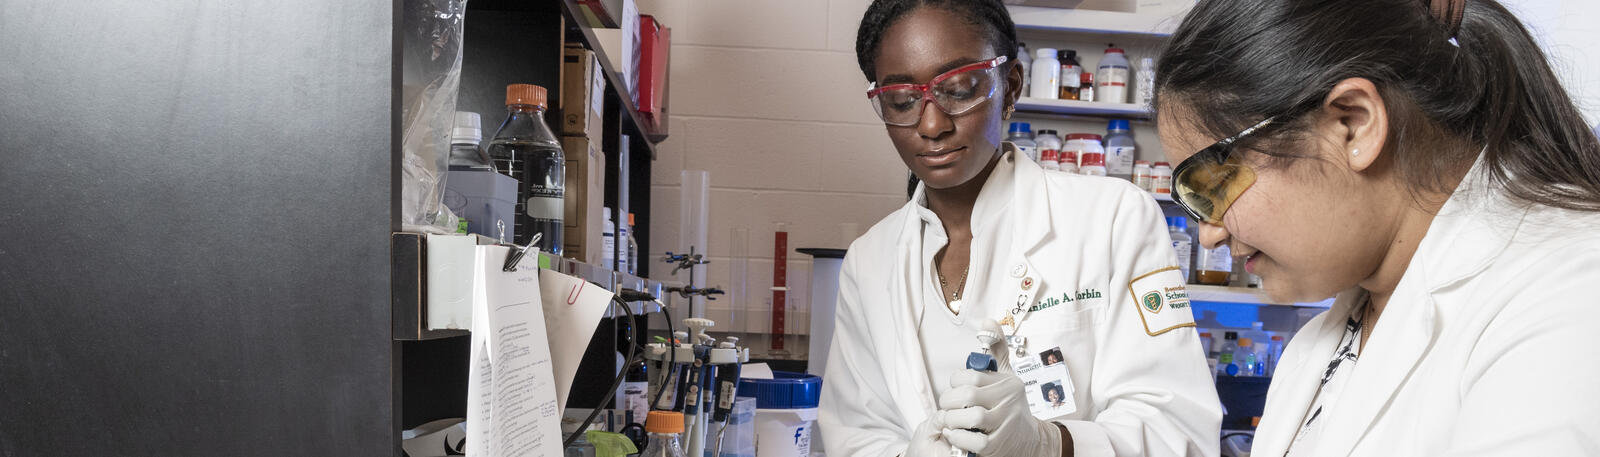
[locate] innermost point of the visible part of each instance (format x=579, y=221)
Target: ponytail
x=1456, y=75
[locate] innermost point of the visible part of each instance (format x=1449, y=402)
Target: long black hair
x=990, y=16
x=1450, y=92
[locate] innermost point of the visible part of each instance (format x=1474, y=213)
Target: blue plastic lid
x=786, y=391
x=1120, y=124
x=1021, y=127
x=1182, y=223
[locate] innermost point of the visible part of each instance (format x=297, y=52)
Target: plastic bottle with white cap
x=1046, y=75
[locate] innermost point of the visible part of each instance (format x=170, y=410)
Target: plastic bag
x=431, y=77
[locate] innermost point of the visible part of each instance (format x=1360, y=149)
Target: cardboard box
x=586, y=195
x=583, y=89
x=621, y=47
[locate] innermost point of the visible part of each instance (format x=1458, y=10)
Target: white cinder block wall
x=766, y=96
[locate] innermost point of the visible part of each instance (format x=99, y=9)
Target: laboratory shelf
x=1083, y=108
x=411, y=304
x=1165, y=198
x=616, y=88
x=1093, y=21
x=1244, y=295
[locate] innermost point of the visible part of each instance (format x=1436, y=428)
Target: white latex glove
x=928, y=439
x=996, y=405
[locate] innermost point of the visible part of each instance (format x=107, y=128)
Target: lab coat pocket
x=1054, y=321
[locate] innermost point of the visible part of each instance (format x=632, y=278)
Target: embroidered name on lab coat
x=1162, y=300
x=1069, y=297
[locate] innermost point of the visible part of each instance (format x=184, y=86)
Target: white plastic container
x=1046, y=74
x=786, y=411
x=1068, y=161
x=1112, y=77
x=1085, y=145
x=1161, y=179
x=1092, y=164
x=1026, y=60
x=1141, y=175
x=1050, y=161
x=1047, y=140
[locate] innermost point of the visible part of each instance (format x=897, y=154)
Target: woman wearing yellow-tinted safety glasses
x=1420, y=160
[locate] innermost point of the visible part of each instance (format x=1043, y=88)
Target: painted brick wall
x=766, y=96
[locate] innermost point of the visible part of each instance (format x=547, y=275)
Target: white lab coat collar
x=1472, y=229
x=1018, y=180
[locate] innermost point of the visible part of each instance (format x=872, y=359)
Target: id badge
x=1047, y=383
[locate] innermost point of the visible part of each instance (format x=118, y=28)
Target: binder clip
x=517, y=252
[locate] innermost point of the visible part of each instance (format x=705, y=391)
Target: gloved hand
x=996, y=405
x=928, y=439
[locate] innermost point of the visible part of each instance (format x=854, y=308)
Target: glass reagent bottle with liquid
x=525, y=149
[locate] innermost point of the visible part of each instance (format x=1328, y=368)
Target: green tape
x=607, y=444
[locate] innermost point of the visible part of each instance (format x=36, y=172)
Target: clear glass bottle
x=664, y=428
x=525, y=149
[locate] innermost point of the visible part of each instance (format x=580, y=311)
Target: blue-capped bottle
x=1021, y=136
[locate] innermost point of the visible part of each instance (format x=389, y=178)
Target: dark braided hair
x=990, y=16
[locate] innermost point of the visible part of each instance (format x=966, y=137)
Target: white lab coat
x=1487, y=346
x=1141, y=385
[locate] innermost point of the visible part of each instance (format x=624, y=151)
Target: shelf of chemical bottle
x=1093, y=21
x=632, y=121
x=1244, y=295
x=1083, y=108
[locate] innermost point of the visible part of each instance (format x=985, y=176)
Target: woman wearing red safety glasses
x=1420, y=160
x=1069, y=283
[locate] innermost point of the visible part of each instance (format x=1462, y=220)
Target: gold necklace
x=954, y=303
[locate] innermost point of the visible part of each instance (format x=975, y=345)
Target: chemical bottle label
x=1119, y=160
x=1183, y=250
x=545, y=204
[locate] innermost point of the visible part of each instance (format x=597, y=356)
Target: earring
x=1009, y=110
x=1355, y=152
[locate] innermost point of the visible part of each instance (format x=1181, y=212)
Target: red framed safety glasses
x=954, y=92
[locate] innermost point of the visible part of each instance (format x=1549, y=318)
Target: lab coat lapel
x=1295, y=386
x=1031, y=228
x=1477, y=215
x=1403, y=336
x=906, y=369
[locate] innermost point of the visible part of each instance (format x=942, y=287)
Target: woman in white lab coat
x=1420, y=160
x=1074, y=274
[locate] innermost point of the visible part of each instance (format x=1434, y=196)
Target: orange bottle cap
x=664, y=422
x=526, y=94
x=630, y=218
x=1255, y=421
x=1244, y=342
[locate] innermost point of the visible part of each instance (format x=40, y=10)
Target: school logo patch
x=1157, y=291
x=1152, y=302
